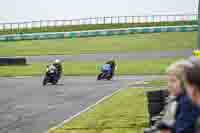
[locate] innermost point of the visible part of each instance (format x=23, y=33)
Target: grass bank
x=127, y=43
x=142, y=67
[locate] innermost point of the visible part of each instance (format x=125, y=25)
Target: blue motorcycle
x=105, y=73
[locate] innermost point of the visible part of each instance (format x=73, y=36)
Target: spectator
x=187, y=113
x=193, y=89
x=175, y=74
x=176, y=85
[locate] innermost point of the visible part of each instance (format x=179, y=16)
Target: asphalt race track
x=28, y=107
x=116, y=56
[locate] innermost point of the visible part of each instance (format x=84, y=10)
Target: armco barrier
x=109, y=32
x=12, y=61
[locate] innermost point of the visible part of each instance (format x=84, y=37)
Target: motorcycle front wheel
x=44, y=81
x=100, y=76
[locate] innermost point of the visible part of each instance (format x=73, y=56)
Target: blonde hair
x=178, y=68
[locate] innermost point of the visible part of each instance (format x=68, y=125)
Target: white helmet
x=57, y=61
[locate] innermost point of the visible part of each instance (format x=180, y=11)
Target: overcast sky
x=22, y=10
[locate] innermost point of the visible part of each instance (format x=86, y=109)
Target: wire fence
x=98, y=20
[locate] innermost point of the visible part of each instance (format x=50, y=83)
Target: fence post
x=18, y=30
x=83, y=21
x=126, y=20
x=4, y=27
x=132, y=19
x=1, y=27
x=11, y=27
x=146, y=18
x=167, y=18
x=63, y=23
x=138, y=19
x=90, y=20
x=31, y=25
x=96, y=20
x=54, y=23
x=47, y=23
x=153, y=18
x=160, y=18
x=104, y=20
x=40, y=25
x=118, y=19
x=174, y=18
x=71, y=22
x=26, y=26
x=78, y=22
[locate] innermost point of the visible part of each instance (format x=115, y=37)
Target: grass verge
x=125, y=112
x=126, y=43
x=143, y=67
x=157, y=83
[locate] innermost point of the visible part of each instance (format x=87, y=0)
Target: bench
x=156, y=103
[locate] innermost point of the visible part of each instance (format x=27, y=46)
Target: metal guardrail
x=98, y=20
x=91, y=33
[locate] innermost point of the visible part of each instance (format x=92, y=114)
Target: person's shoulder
x=187, y=102
x=185, y=99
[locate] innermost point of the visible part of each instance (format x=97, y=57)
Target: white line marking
x=87, y=109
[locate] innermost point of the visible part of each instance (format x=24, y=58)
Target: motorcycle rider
x=113, y=66
x=51, y=72
x=57, y=63
x=51, y=68
x=106, y=68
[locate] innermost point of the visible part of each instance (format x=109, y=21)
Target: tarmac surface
x=28, y=107
x=108, y=56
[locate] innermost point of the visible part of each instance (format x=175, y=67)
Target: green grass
x=125, y=112
x=156, y=66
x=157, y=83
x=93, y=27
x=126, y=43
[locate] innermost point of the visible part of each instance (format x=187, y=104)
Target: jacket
x=186, y=116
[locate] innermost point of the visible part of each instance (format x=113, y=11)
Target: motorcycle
x=51, y=75
x=105, y=75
